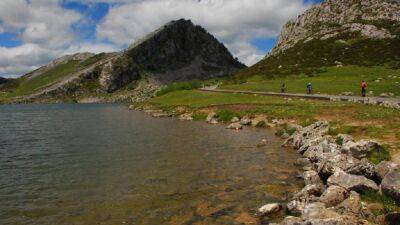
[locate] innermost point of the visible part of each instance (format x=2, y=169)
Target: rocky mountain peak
x=178, y=51
x=371, y=18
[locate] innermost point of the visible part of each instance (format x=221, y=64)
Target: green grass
x=335, y=80
x=226, y=115
x=190, y=85
x=378, y=156
x=28, y=86
x=374, y=197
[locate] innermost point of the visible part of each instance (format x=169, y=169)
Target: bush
x=190, y=85
x=378, y=156
x=373, y=196
x=226, y=115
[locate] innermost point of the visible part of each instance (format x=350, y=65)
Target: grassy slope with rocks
x=333, y=80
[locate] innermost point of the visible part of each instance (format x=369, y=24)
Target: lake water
x=104, y=164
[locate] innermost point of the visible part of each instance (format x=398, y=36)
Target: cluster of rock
x=256, y=121
x=336, y=171
x=370, y=101
x=333, y=18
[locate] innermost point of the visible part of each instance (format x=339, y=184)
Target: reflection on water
x=103, y=164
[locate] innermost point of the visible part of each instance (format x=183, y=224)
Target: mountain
x=335, y=33
x=178, y=51
x=3, y=80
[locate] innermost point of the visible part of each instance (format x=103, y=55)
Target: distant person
x=283, y=88
x=364, y=88
x=309, y=88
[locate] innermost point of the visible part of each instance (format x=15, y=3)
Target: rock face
x=391, y=184
x=3, y=80
x=335, y=33
x=335, y=17
x=178, y=51
x=181, y=51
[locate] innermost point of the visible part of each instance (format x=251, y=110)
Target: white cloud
x=234, y=22
x=45, y=28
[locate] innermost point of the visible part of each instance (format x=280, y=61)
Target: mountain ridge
x=334, y=33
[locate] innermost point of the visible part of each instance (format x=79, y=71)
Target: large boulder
x=351, y=205
x=312, y=178
x=351, y=182
x=245, y=121
x=383, y=168
x=334, y=195
x=361, y=148
x=391, y=184
x=212, y=118
x=311, y=132
x=347, y=163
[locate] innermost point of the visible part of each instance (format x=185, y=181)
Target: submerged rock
x=270, y=209
x=235, y=126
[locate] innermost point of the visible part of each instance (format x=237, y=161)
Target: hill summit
x=178, y=51
x=336, y=32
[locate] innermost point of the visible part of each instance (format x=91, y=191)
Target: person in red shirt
x=363, y=88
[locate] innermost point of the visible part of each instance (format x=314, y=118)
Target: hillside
x=335, y=33
x=178, y=51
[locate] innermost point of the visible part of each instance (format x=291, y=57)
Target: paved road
x=377, y=100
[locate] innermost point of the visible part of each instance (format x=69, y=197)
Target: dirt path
x=377, y=100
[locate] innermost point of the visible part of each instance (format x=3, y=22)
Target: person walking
x=283, y=88
x=309, y=88
x=364, y=88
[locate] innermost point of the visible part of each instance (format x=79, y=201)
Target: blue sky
x=36, y=31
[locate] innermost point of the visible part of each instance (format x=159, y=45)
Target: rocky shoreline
x=335, y=171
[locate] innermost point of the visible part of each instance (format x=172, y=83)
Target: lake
x=103, y=164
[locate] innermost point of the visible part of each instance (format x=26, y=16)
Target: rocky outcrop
x=333, y=18
x=337, y=173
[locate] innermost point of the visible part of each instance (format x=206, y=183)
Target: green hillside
x=330, y=80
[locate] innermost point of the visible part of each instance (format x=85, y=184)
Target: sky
x=34, y=32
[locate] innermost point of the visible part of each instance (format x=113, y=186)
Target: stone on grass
x=361, y=148
x=245, y=121
x=383, y=168
x=235, y=120
x=351, y=182
x=391, y=184
x=212, y=118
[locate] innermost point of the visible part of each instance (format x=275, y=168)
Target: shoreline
x=335, y=171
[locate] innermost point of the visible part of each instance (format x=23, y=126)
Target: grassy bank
x=361, y=121
x=333, y=80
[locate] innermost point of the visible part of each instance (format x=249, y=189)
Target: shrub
x=226, y=115
x=373, y=196
x=376, y=157
x=190, y=85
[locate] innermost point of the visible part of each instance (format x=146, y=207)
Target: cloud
x=234, y=22
x=47, y=30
